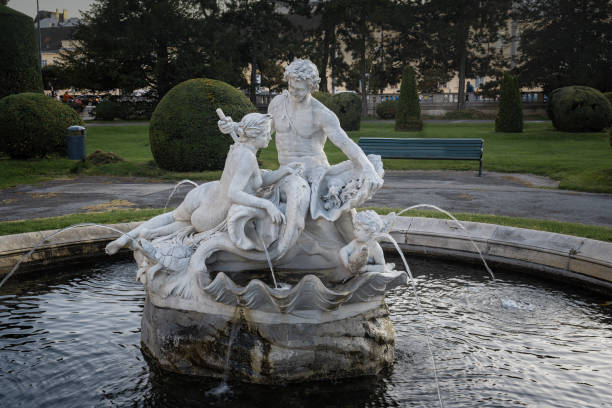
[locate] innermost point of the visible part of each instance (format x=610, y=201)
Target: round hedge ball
x=349, y=110
x=386, y=109
x=33, y=125
x=579, y=109
x=183, y=131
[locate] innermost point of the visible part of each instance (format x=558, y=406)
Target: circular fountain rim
x=579, y=258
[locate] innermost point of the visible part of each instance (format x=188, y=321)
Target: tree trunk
x=362, y=75
x=462, y=63
x=325, y=60
x=253, y=84
x=161, y=70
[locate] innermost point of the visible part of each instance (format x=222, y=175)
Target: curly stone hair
x=303, y=70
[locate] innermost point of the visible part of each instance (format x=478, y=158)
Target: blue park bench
x=423, y=148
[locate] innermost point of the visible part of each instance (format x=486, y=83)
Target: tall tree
x=410, y=40
x=465, y=37
x=565, y=42
x=322, y=45
x=54, y=78
x=263, y=34
x=130, y=44
x=361, y=20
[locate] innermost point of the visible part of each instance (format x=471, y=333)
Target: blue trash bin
x=76, y=143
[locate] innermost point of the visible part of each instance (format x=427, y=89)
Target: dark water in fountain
x=73, y=340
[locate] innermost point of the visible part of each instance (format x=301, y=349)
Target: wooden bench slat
x=425, y=148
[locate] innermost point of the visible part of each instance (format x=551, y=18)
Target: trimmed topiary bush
x=348, y=110
x=510, y=107
x=33, y=125
x=579, y=109
x=326, y=99
x=608, y=96
x=386, y=109
x=346, y=106
x=408, y=116
x=136, y=110
x=183, y=131
x=20, y=64
x=108, y=110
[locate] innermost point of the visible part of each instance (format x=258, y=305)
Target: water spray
x=39, y=243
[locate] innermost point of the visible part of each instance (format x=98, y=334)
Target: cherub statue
x=364, y=254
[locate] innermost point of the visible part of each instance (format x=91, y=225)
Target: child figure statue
x=364, y=254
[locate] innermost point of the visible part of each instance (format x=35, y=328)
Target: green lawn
x=580, y=161
x=118, y=216
x=129, y=142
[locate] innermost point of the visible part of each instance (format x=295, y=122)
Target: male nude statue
x=302, y=125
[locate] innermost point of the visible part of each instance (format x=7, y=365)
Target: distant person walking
x=469, y=92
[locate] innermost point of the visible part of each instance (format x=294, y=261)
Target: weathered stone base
x=196, y=343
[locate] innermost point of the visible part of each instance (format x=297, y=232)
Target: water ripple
x=73, y=339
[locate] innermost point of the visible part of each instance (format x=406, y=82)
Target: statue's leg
x=164, y=230
x=154, y=223
x=295, y=192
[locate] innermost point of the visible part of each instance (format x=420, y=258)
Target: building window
x=44, y=63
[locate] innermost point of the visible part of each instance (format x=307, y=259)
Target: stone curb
x=72, y=245
x=586, y=260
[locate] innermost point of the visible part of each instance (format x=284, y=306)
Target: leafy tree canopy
x=566, y=42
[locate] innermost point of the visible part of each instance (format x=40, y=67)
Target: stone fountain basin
x=270, y=348
x=586, y=261
x=355, y=339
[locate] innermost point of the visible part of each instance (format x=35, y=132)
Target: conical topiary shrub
x=19, y=64
x=408, y=115
x=510, y=108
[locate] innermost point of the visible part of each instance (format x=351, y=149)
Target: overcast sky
x=29, y=6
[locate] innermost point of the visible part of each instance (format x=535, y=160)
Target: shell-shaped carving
x=310, y=293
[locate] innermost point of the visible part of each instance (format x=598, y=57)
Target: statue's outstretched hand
x=373, y=180
x=226, y=125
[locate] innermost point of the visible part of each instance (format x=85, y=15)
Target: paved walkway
x=455, y=191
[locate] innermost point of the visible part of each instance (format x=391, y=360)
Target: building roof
x=42, y=14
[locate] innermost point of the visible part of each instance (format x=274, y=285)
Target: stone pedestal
x=270, y=348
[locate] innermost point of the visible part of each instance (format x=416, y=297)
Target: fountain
x=272, y=277
x=199, y=262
